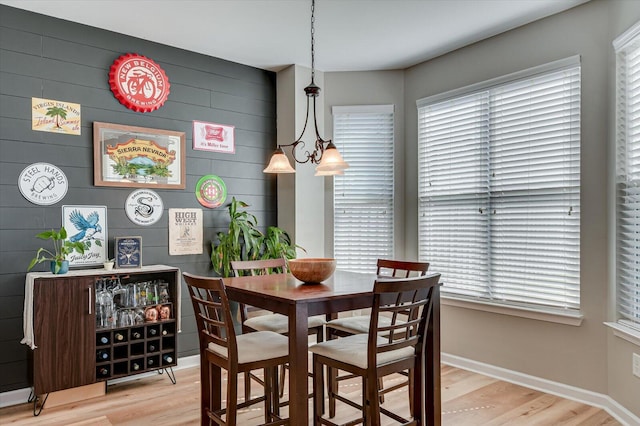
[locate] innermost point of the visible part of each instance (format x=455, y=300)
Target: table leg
x=432, y=364
x=299, y=365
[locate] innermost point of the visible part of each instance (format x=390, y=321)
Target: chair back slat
x=401, y=268
x=259, y=267
x=212, y=312
x=410, y=297
x=256, y=267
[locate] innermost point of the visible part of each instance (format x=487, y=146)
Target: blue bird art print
x=87, y=227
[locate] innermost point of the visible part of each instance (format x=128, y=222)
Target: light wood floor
x=467, y=399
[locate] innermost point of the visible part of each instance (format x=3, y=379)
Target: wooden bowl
x=312, y=270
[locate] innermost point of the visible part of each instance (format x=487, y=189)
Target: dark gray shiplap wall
x=51, y=58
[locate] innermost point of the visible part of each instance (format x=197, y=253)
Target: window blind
x=499, y=187
x=628, y=181
x=363, y=196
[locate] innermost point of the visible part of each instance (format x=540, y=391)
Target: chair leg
x=380, y=387
x=318, y=390
x=232, y=397
x=411, y=385
x=247, y=386
x=372, y=405
x=332, y=389
x=282, y=377
x=268, y=394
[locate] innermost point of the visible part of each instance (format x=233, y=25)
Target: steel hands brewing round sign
x=43, y=183
x=144, y=207
x=138, y=83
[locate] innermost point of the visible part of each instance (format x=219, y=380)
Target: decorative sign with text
x=144, y=207
x=88, y=225
x=185, y=231
x=213, y=137
x=43, y=184
x=138, y=82
x=48, y=115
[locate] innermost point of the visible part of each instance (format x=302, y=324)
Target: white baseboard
x=20, y=396
x=595, y=399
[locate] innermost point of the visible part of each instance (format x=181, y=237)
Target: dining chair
x=220, y=348
x=359, y=324
x=388, y=347
x=276, y=323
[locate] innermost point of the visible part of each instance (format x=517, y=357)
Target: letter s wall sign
x=138, y=82
x=144, y=207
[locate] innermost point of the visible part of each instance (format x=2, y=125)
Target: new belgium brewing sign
x=138, y=83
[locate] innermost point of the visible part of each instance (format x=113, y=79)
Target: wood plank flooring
x=468, y=399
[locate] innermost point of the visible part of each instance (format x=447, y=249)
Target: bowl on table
x=312, y=270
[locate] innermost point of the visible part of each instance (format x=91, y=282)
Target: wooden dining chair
x=277, y=323
x=221, y=348
x=372, y=356
x=359, y=324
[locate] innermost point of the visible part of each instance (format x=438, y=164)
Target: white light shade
x=331, y=160
x=328, y=172
x=279, y=163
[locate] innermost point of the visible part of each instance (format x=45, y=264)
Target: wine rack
x=124, y=351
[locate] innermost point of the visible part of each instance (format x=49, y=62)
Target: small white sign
x=144, y=207
x=185, y=231
x=43, y=184
x=214, y=137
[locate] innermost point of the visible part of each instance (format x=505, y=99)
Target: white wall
x=585, y=356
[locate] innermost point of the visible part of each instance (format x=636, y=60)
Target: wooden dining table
x=344, y=291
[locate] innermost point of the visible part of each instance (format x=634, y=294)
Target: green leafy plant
x=61, y=249
x=244, y=241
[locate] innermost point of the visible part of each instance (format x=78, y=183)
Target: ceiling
x=350, y=35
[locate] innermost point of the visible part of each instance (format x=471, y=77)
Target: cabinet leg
x=37, y=410
x=170, y=374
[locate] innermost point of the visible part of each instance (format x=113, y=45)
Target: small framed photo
x=128, y=252
x=213, y=137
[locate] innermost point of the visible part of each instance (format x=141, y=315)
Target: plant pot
x=64, y=267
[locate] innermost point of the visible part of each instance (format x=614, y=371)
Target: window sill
x=625, y=332
x=567, y=318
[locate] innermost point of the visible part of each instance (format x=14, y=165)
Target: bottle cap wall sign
x=43, y=184
x=211, y=191
x=138, y=83
x=144, y=207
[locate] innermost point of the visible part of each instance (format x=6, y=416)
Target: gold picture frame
x=138, y=157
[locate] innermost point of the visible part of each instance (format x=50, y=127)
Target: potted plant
x=244, y=241
x=61, y=249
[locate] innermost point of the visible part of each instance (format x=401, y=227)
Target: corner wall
x=587, y=356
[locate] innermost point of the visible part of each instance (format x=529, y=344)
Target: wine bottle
x=164, y=332
x=168, y=359
x=102, y=356
x=119, y=337
x=136, y=335
x=104, y=340
x=150, y=361
x=151, y=347
x=103, y=371
x=135, y=366
x=153, y=331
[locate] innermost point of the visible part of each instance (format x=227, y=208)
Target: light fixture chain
x=313, y=40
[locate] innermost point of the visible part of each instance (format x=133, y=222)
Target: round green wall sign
x=211, y=191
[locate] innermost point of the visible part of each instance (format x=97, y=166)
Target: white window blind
x=499, y=189
x=363, y=196
x=628, y=178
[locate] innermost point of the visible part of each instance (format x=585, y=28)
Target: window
x=499, y=188
x=628, y=177
x=363, y=196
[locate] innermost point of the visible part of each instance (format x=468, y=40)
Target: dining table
x=343, y=291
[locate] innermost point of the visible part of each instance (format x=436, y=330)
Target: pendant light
x=325, y=153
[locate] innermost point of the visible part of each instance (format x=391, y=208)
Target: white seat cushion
x=257, y=346
x=353, y=350
x=358, y=324
x=278, y=323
